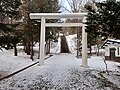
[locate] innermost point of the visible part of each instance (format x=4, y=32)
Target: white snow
x=56, y=71
x=115, y=40
x=56, y=46
x=10, y=63
x=60, y=72
x=71, y=40
x=97, y=62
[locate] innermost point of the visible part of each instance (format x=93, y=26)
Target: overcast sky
x=66, y=5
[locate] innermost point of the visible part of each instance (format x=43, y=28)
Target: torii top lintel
x=57, y=15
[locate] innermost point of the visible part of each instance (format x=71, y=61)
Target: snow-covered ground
x=60, y=72
x=10, y=63
x=64, y=72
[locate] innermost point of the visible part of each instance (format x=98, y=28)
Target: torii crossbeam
x=44, y=16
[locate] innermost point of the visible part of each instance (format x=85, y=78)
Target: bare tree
x=74, y=6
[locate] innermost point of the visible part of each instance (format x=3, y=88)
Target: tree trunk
x=15, y=50
x=47, y=49
x=78, y=44
x=90, y=50
x=25, y=46
x=32, y=51
x=28, y=48
x=97, y=50
x=49, y=46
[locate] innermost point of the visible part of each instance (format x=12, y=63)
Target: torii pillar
x=84, y=45
x=42, y=42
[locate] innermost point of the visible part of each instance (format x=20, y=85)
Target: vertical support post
x=84, y=46
x=42, y=42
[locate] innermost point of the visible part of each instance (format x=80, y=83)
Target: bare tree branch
x=70, y=4
x=76, y=5
x=65, y=8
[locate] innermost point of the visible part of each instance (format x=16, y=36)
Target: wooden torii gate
x=44, y=16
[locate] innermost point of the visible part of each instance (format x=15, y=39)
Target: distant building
x=112, y=50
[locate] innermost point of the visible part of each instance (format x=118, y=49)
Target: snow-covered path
x=60, y=72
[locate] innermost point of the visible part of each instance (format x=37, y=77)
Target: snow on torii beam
x=57, y=15
x=44, y=16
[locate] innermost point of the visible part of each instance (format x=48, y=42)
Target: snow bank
x=10, y=63
x=56, y=46
x=71, y=40
x=97, y=62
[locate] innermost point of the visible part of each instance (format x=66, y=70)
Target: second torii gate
x=44, y=16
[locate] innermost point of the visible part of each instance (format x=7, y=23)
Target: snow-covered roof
x=112, y=42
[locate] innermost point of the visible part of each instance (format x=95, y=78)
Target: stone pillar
x=42, y=42
x=84, y=46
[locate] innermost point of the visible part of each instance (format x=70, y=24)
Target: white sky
x=66, y=5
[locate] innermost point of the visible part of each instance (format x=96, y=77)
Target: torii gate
x=44, y=16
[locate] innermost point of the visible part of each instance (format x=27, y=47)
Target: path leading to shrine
x=63, y=72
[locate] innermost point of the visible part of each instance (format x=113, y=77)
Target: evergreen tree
x=92, y=27
x=104, y=22
x=109, y=18
x=32, y=27
x=8, y=13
